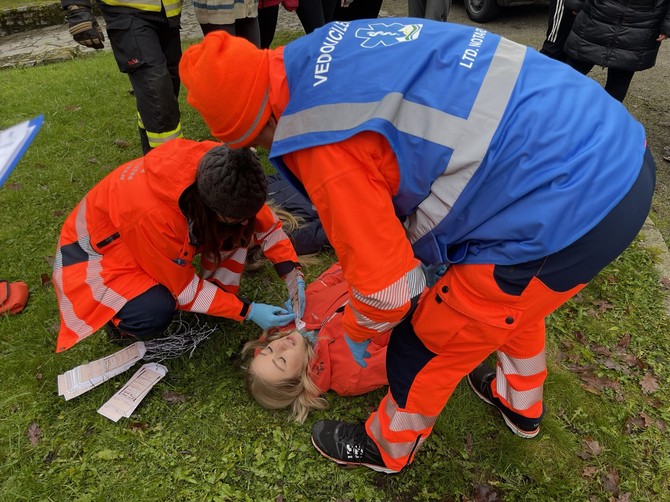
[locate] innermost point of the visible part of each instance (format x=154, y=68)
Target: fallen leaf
x=624, y=342
x=58, y=213
x=121, y=143
x=13, y=186
x=34, y=433
x=485, y=493
x=648, y=421
x=173, y=397
x=45, y=279
x=649, y=384
x=72, y=108
x=39, y=377
x=610, y=481
x=634, y=423
x=602, y=305
x=665, y=282
x=138, y=426
x=593, y=447
x=624, y=497
x=579, y=336
x=589, y=471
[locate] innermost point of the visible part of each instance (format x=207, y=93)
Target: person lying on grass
x=289, y=369
x=125, y=254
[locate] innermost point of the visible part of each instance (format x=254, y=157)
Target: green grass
x=604, y=436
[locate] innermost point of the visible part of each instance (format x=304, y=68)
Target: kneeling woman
x=125, y=254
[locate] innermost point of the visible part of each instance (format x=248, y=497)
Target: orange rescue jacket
x=129, y=234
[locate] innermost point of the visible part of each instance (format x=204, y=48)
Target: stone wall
x=29, y=18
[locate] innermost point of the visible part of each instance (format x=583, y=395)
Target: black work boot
x=347, y=444
x=480, y=380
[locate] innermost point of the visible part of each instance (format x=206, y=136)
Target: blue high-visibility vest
x=505, y=155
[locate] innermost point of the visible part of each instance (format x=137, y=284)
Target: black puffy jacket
x=618, y=34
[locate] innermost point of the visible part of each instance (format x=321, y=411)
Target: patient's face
x=281, y=359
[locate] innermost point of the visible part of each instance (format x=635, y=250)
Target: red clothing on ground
x=333, y=366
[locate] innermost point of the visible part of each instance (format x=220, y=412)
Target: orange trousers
x=477, y=309
x=459, y=322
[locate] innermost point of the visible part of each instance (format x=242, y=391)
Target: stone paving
x=54, y=43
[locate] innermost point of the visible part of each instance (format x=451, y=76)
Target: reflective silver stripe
x=202, y=301
x=226, y=277
x=188, y=293
x=406, y=116
x=257, y=119
x=271, y=238
x=518, y=400
x=472, y=139
x=527, y=367
x=70, y=319
x=100, y=293
x=397, y=294
x=400, y=421
x=469, y=138
x=366, y=322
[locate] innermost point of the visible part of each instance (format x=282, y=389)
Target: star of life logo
x=387, y=34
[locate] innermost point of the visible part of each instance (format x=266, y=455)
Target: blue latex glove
x=269, y=316
x=312, y=336
x=300, y=283
x=433, y=273
x=359, y=350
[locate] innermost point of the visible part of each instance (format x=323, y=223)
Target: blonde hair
x=300, y=393
x=290, y=223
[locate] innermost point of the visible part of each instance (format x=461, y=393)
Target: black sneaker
x=480, y=380
x=347, y=444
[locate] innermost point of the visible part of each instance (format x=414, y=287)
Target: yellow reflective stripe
x=158, y=138
x=171, y=9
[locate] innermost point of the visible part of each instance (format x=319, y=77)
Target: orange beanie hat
x=227, y=80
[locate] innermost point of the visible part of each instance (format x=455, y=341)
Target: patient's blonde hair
x=300, y=393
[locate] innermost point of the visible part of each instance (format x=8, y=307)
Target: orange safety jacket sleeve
x=351, y=184
x=153, y=243
x=273, y=241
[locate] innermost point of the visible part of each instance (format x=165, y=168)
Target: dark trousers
x=148, y=315
x=149, y=52
x=559, y=24
x=267, y=23
x=618, y=81
x=246, y=27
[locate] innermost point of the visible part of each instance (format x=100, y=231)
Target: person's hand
x=269, y=316
x=84, y=28
x=433, y=273
x=296, y=288
x=346, y=3
x=662, y=37
x=359, y=350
